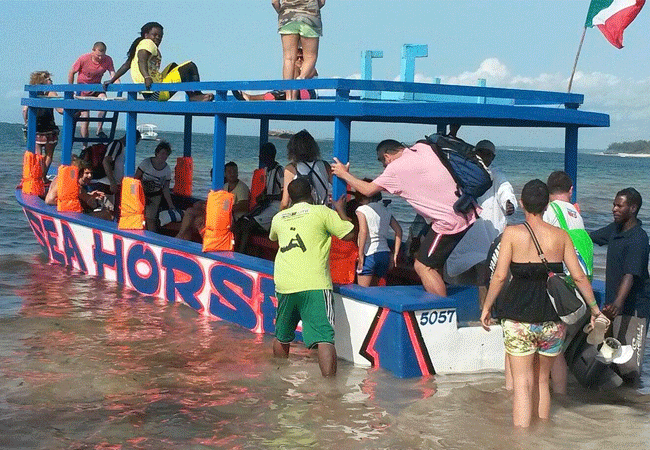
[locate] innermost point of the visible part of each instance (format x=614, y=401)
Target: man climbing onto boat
x=303, y=282
x=90, y=68
x=420, y=178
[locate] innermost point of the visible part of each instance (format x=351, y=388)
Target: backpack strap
x=560, y=216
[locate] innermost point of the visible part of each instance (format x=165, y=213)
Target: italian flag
x=612, y=17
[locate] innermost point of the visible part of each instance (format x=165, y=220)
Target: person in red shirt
x=90, y=68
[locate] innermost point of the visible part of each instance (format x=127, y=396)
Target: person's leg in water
x=327, y=359
x=289, y=57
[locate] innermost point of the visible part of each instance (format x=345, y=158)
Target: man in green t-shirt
x=303, y=283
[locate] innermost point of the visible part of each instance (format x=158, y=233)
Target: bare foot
x=201, y=97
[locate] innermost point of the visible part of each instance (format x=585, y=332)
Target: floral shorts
x=521, y=339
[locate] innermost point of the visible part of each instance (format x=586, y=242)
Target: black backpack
x=471, y=175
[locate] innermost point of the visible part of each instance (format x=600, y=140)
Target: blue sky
x=515, y=43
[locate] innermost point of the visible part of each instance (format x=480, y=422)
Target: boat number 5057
x=437, y=316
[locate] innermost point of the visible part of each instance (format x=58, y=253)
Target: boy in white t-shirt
x=374, y=253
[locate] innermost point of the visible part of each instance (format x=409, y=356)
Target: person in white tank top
x=375, y=256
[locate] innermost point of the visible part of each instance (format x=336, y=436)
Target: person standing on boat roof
x=303, y=94
x=143, y=58
x=304, y=156
x=627, y=290
x=418, y=176
x=299, y=21
x=90, y=68
x=47, y=132
x=303, y=282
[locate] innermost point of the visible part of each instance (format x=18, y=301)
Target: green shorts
x=314, y=308
x=300, y=28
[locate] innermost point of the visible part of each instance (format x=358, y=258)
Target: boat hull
x=399, y=328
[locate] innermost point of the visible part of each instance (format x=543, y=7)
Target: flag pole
x=575, y=63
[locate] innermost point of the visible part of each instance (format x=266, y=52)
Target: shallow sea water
x=86, y=364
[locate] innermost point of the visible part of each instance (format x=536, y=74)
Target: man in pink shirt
x=417, y=175
x=91, y=68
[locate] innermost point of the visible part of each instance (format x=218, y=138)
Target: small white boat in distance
x=148, y=131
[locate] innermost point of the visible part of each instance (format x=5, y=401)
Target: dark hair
x=268, y=152
x=302, y=147
x=632, y=197
x=389, y=146
x=375, y=197
x=230, y=164
x=146, y=28
x=99, y=44
x=300, y=190
x=163, y=145
x=534, y=196
x=559, y=182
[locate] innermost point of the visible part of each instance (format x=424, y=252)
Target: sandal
x=596, y=334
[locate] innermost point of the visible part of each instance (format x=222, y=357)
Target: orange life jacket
x=343, y=260
x=258, y=185
x=132, y=205
x=183, y=173
x=67, y=183
x=218, y=219
x=32, y=183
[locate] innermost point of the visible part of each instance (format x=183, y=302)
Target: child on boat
x=374, y=253
x=143, y=58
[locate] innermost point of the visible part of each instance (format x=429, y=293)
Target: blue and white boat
x=402, y=329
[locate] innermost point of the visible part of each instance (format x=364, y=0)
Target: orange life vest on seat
x=343, y=261
x=132, y=205
x=218, y=219
x=183, y=175
x=32, y=183
x=258, y=185
x=67, y=183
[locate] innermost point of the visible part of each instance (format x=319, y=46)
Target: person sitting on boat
x=533, y=333
x=305, y=161
x=47, y=132
x=143, y=58
x=303, y=94
x=156, y=176
x=90, y=68
x=419, y=177
x=258, y=220
x=113, y=163
x=374, y=253
x=303, y=282
x=92, y=202
x=193, y=221
x=238, y=188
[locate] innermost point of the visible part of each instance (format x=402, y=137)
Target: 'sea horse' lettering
x=229, y=292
